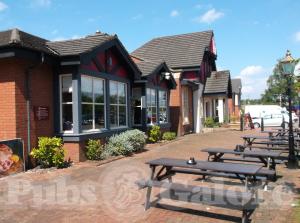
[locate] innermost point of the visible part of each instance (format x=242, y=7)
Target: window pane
x=148, y=97
x=162, y=98
x=113, y=92
x=122, y=115
x=67, y=117
x=122, y=93
x=153, y=117
x=153, y=97
x=86, y=89
x=162, y=115
x=113, y=116
x=87, y=117
x=66, y=88
x=149, y=115
x=99, y=117
x=98, y=91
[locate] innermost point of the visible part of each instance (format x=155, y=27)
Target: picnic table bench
x=169, y=167
x=267, y=158
x=249, y=140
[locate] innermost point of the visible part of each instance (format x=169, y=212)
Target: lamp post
x=287, y=66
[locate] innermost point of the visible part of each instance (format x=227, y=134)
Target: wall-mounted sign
x=11, y=157
x=41, y=113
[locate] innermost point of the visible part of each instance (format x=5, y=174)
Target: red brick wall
x=13, y=109
x=75, y=151
x=176, y=110
x=7, y=97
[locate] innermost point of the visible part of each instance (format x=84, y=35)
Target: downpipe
x=28, y=72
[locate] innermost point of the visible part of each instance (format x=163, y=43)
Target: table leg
x=246, y=182
x=149, y=189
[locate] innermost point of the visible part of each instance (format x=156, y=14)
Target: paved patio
x=87, y=192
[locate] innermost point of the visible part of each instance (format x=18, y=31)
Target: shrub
x=125, y=143
x=49, y=153
x=94, y=150
x=154, y=133
x=118, y=145
x=209, y=122
x=169, y=136
x=137, y=139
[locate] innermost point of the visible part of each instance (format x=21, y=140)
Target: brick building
x=191, y=58
x=234, y=103
x=75, y=89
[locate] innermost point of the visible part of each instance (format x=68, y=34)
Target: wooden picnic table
x=169, y=167
x=268, y=158
x=249, y=140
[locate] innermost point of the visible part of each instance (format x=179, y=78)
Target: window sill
x=71, y=137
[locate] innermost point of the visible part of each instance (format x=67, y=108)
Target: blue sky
x=250, y=35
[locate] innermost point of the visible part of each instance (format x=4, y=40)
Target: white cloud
x=174, y=13
x=210, y=16
x=40, y=3
x=3, y=6
x=254, y=80
x=252, y=70
x=297, y=36
x=59, y=38
x=137, y=17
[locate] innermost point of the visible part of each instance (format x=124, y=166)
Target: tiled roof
x=18, y=38
x=147, y=67
x=78, y=46
x=218, y=82
x=179, y=51
x=236, y=85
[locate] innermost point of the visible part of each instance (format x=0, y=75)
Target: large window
x=92, y=103
x=118, y=104
x=185, y=103
x=163, y=115
x=66, y=107
x=151, y=106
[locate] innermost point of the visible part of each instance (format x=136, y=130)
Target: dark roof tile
x=236, y=85
x=218, y=82
x=186, y=50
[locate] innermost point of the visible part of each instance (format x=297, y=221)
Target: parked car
x=272, y=120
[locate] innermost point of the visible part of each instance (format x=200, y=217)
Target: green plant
x=118, y=145
x=137, y=139
x=125, y=143
x=49, y=153
x=154, y=133
x=209, y=122
x=169, y=136
x=94, y=149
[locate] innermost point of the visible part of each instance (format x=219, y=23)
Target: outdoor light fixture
x=166, y=75
x=287, y=66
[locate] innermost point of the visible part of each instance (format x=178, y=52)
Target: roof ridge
x=183, y=34
x=84, y=37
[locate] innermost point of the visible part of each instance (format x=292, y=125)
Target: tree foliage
x=277, y=87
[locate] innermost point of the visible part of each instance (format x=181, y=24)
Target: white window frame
x=93, y=103
x=165, y=106
x=61, y=104
x=157, y=121
x=185, y=106
x=118, y=105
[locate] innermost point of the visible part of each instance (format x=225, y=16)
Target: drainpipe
x=28, y=72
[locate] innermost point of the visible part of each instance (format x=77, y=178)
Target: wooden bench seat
x=263, y=173
x=247, y=159
x=239, y=200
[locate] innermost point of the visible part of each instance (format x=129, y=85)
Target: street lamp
x=287, y=66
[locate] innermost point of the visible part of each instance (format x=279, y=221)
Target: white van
x=273, y=115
